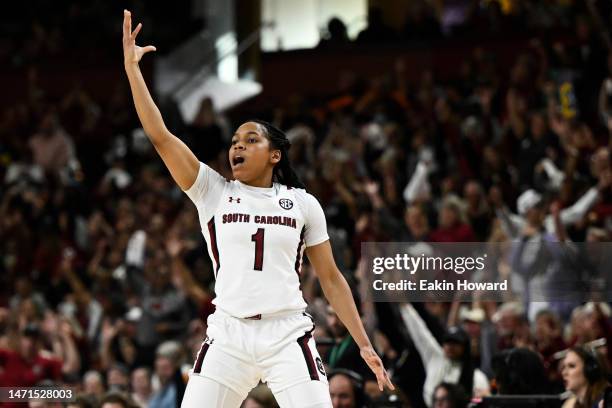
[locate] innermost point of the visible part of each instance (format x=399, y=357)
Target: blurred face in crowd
x=448, y=216
x=491, y=157
x=416, y=221
x=141, y=381
x=535, y=216
x=573, y=373
x=164, y=368
x=92, y=384
x=591, y=325
x=453, y=351
x=579, y=326
x=112, y=405
x=546, y=328
x=472, y=328
x=250, y=154
x=27, y=310
x=537, y=125
x=443, y=110
x=117, y=379
x=341, y=391
x=29, y=346
x=42, y=404
x=472, y=193
x=441, y=398
x=336, y=327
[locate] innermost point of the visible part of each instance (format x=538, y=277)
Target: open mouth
x=237, y=160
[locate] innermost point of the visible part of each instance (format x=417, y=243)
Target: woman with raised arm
x=257, y=228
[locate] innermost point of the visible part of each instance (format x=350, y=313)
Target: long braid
x=283, y=173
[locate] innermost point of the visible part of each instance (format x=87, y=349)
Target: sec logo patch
x=286, y=203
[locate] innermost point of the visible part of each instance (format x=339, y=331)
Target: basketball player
x=257, y=228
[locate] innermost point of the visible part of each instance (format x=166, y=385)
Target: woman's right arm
x=178, y=158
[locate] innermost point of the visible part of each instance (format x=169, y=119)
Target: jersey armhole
x=317, y=242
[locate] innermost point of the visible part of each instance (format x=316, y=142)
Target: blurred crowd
x=51, y=31
x=427, y=21
x=105, y=279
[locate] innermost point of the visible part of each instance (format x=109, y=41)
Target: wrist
x=130, y=65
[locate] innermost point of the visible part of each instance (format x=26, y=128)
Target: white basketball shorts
x=278, y=350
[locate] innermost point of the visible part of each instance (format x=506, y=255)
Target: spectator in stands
x=346, y=389
x=345, y=352
x=81, y=401
x=168, y=372
x=377, y=32
x=93, y=385
x=27, y=366
x=549, y=341
x=452, y=225
x=117, y=378
x=584, y=376
x=116, y=400
x=51, y=147
x=206, y=134
x=142, y=390
x=450, y=362
x=448, y=395
x=520, y=371
x=336, y=35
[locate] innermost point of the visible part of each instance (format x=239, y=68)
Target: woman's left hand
x=376, y=365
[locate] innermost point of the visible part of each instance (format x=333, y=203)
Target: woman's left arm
x=338, y=293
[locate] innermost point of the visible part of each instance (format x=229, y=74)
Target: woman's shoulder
x=300, y=193
x=569, y=403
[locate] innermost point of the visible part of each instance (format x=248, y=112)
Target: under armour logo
x=232, y=199
x=320, y=366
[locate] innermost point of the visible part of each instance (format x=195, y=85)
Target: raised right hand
x=132, y=53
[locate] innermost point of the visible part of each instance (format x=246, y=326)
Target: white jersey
x=256, y=239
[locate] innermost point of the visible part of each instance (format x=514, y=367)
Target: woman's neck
x=265, y=181
x=581, y=394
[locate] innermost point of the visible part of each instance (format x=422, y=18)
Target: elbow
x=156, y=136
x=331, y=278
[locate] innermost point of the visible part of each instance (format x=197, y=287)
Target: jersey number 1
x=258, y=238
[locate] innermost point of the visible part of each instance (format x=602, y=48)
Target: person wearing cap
x=531, y=212
x=543, y=269
x=449, y=362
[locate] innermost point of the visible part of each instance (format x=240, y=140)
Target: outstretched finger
x=381, y=383
x=382, y=378
x=126, y=17
x=388, y=381
x=136, y=31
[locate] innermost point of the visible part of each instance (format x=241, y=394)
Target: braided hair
x=283, y=173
